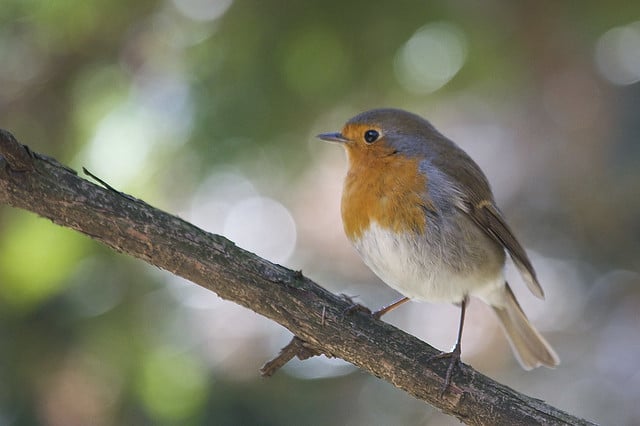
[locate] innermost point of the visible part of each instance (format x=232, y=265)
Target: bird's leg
x=380, y=312
x=455, y=354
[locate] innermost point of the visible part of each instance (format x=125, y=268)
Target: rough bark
x=315, y=316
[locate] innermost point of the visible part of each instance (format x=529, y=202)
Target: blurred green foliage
x=196, y=105
x=37, y=260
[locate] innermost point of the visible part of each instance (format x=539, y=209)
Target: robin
x=421, y=214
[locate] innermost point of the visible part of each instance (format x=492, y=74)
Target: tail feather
x=530, y=348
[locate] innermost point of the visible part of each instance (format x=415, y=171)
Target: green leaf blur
x=37, y=257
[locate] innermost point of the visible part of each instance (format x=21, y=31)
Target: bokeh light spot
x=263, y=226
x=121, y=146
x=202, y=10
x=617, y=54
x=431, y=57
x=36, y=258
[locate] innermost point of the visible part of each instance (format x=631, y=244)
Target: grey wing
x=475, y=199
x=486, y=215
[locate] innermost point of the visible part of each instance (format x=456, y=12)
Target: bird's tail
x=529, y=347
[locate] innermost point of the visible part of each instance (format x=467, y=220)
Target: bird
x=422, y=216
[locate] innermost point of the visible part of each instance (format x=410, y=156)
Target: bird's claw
x=354, y=307
x=454, y=357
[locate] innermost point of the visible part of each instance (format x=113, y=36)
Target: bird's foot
x=454, y=361
x=354, y=307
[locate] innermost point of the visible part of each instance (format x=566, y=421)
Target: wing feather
x=487, y=216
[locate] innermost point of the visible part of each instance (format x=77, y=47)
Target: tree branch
x=315, y=316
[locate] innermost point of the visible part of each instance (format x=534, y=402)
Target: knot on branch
x=18, y=156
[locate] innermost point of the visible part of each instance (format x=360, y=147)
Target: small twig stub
x=296, y=347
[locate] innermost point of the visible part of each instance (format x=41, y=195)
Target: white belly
x=430, y=272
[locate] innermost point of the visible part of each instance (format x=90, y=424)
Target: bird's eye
x=371, y=136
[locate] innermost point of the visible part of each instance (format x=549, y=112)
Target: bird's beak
x=333, y=137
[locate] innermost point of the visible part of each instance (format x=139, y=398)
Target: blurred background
x=208, y=109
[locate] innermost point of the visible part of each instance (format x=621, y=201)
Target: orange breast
x=387, y=190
